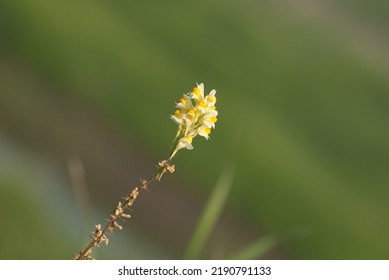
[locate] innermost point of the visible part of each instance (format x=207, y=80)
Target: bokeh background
x=300, y=151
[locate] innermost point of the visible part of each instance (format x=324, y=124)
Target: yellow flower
x=204, y=131
x=184, y=103
x=210, y=119
x=185, y=142
x=198, y=92
x=195, y=115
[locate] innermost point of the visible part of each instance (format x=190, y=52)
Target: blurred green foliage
x=303, y=99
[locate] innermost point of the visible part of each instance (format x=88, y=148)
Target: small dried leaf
x=115, y=224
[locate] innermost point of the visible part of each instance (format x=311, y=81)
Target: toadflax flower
x=195, y=115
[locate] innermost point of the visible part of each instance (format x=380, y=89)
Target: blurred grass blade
x=211, y=213
x=258, y=248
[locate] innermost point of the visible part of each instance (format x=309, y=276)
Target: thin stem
x=100, y=235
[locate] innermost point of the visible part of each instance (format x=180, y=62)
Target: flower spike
x=195, y=115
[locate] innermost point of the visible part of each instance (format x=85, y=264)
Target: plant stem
x=100, y=235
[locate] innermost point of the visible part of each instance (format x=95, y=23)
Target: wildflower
x=204, y=131
x=195, y=115
x=185, y=142
x=198, y=92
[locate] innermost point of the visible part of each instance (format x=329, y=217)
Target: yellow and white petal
x=210, y=120
x=204, y=131
x=184, y=103
x=176, y=119
x=188, y=124
x=213, y=92
x=191, y=113
x=201, y=87
x=185, y=142
x=191, y=117
x=210, y=112
x=201, y=106
x=198, y=92
x=211, y=99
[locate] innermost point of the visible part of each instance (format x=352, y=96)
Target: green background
x=303, y=95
